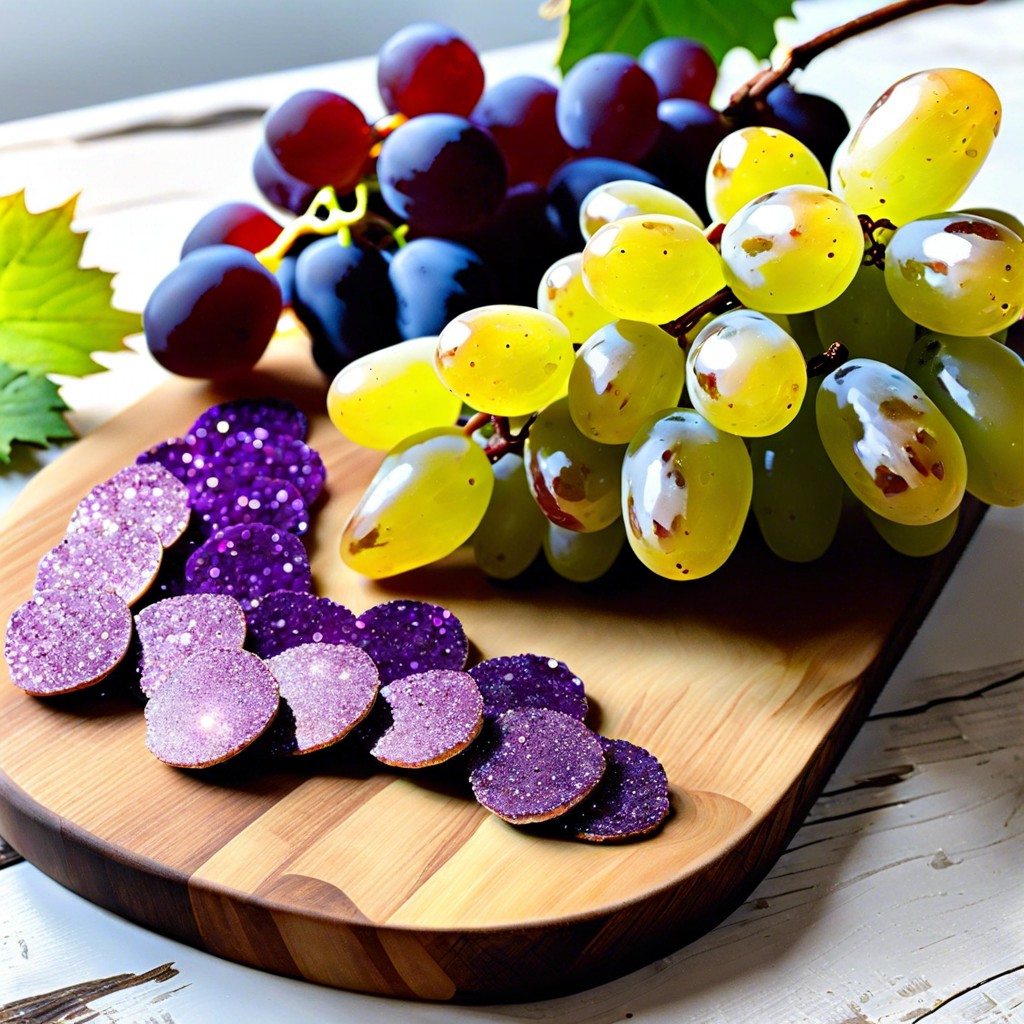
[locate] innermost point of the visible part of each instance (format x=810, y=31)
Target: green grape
x=574, y=479
x=919, y=146
x=890, y=443
x=389, y=394
x=582, y=557
x=978, y=384
x=752, y=161
x=745, y=374
x=866, y=320
x=956, y=273
x=916, y=541
x=685, y=494
x=512, y=530
x=651, y=268
x=427, y=498
x=798, y=496
x=503, y=359
x=624, y=373
x=792, y=250
x=617, y=199
x=563, y=295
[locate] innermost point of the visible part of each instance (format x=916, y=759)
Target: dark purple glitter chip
x=242, y=457
x=261, y=500
x=213, y=706
x=529, y=681
x=182, y=458
x=284, y=619
x=434, y=715
x=124, y=560
x=328, y=688
x=248, y=562
x=172, y=630
x=405, y=637
x=266, y=418
x=65, y=640
x=630, y=801
x=141, y=495
x=537, y=766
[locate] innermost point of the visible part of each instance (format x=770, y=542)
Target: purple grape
x=277, y=185
x=608, y=106
x=441, y=174
x=240, y=224
x=681, y=68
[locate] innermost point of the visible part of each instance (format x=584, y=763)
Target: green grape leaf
x=627, y=26
x=53, y=313
x=30, y=410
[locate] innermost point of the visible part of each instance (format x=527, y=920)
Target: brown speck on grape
x=888, y=482
x=915, y=460
x=938, y=470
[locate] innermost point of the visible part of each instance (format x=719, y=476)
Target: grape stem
x=718, y=303
x=753, y=92
x=874, y=248
x=822, y=365
x=502, y=441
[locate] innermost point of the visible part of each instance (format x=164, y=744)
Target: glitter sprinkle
x=285, y=619
x=172, y=630
x=404, y=637
x=242, y=457
x=260, y=500
x=266, y=418
x=213, y=706
x=181, y=458
x=529, y=680
x=65, y=640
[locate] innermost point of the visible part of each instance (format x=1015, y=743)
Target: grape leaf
x=53, y=313
x=627, y=26
x=30, y=410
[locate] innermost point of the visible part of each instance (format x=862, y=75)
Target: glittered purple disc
x=172, y=630
x=182, y=458
x=213, y=706
x=538, y=764
x=65, y=640
x=242, y=457
x=405, y=637
x=630, y=801
x=248, y=562
x=261, y=500
x=139, y=495
x=530, y=681
x=328, y=688
x=103, y=556
x=435, y=715
x=284, y=619
x=267, y=418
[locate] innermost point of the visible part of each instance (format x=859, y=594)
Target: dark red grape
x=681, y=68
x=240, y=224
x=321, y=138
x=441, y=174
x=815, y=120
x=428, y=68
x=608, y=106
x=520, y=113
x=214, y=314
x=277, y=185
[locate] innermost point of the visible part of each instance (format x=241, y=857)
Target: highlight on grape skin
x=625, y=198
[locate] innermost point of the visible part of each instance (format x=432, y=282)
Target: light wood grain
x=747, y=686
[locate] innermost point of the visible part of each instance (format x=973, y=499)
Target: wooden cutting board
x=748, y=685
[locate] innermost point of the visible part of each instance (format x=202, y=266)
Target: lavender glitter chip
x=242, y=457
x=267, y=418
x=538, y=765
x=248, y=562
x=102, y=556
x=145, y=494
x=529, y=680
x=405, y=637
x=213, y=706
x=284, y=619
x=172, y=630
x=328, y=688
x=630, y=801
x=60, y=641
x=260, y=500
x=434, y=714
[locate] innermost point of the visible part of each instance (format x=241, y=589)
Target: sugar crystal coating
x=405, y=637
x=248, y=562
x=435, y=714
x=103, y=556
x=215, y=704
x=145, y=494
x=328, y=688
x=631, y=800
x=267, y=418
x=242, y=457
x=529, y=680
x=260, y=500
x=538, y=764
x=284, y=619
x=172, y=630
x=182, y=458
x=65, y=640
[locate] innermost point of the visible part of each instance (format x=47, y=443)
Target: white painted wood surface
x=900, y=899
